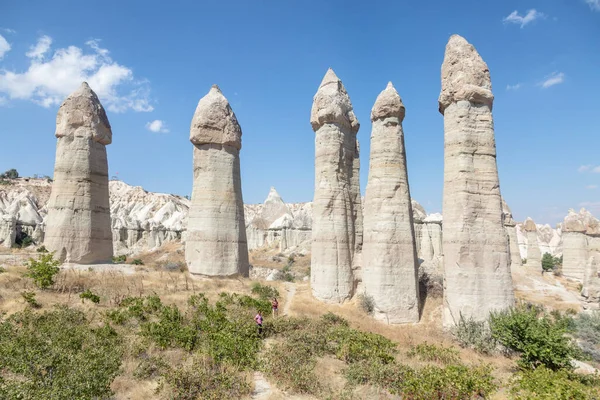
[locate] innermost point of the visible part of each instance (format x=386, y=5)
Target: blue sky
x=150, y=62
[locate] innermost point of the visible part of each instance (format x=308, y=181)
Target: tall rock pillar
x=534, y=255
x=78, y=223
x=216, y=240
x=476, y=255
x=334, y=216
x=390, y=261
x=511, y=230
x=575, y=246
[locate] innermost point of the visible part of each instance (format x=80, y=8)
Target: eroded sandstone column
x=534, y=255
x=511, y=230
x=216, y=240
x=476, y=254
x=334, y=228
x=78, y=223
x=390, y=261
x=575, y=246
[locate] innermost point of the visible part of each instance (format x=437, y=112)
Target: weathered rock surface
x=476, y=250
x=389, y=255
x=216, y=242
x=78, y=222
x=534, y=255
x=335, y=198
x=511, y=230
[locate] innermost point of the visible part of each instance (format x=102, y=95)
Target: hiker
x=259, y=320
x=275, y=307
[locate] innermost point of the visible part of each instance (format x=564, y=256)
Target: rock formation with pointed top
x=390, y=261
x=510, y=225
x=78, y=225
x=575, y=246
x=534, y=255
x=476, y=253
x=216, y=233
x=334, y=215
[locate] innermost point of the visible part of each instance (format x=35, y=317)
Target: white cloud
x=41, y=47
x=591, y=187
x=554, y=79
x=596, y=170
x=4, y=47
x=48, y=80
x=513, y=87
x=594, y=4
x=8, y=30
x=157, y=126
x=515, y=18
x=584, y=168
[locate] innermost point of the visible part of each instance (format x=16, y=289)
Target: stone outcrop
x=510, y=226
x=277, y=224
x=335, y=198
x=476, y=254
x=78, y=222
x=216, y=238
x=428, y=238
x=575, y=246
x=534, y=255
x=389, y=254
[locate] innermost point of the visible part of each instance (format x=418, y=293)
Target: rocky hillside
x=143, y=220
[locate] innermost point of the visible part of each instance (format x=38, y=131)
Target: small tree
x=11, y=174
x=548, y=262
x=43, y=270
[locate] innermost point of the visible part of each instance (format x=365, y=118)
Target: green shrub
x=366, y=302
x=137, y=261
x=587, y=331
x=10, y=174
x=43, y=270
x=293, y=368
x=539, y=338
x=264, y=292
x=548, y=262
x=30, y=299
x=475, y=335
x=89, y=295
x=544, y=383
x=42, y=249
x=206, y=379
x=2, y=269
x=150, y=367
x=119, y=259
x=170, y=330
x=66, y=358
x=432, y=352
x=455, y=381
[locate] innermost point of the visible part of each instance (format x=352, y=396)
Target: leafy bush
x=293, y=368
x=538, y=337
x=206, y=379
x=66, y=358
x=548, y=262
x=42, y=249
x=587, y=331
x=119, y=259
x=43, y=270
x=137, y=261
x=544, y=383
x=432, y=352
x=10, y=174
x=2, y=269
x=455, y=381
x=30, y=299
x=475, y=335
x=366, y=302
x=285, y=274
x=89, y=295
x=264, y=292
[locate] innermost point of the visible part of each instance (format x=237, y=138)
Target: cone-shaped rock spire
x=336, y=206
x=389, y=252
x=216, y=243
x=475, y=243
x=78, y=226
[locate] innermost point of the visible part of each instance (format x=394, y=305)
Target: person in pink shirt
x=259, y=321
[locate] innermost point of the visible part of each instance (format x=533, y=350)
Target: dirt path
x=291, y=289
x=262, y=389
